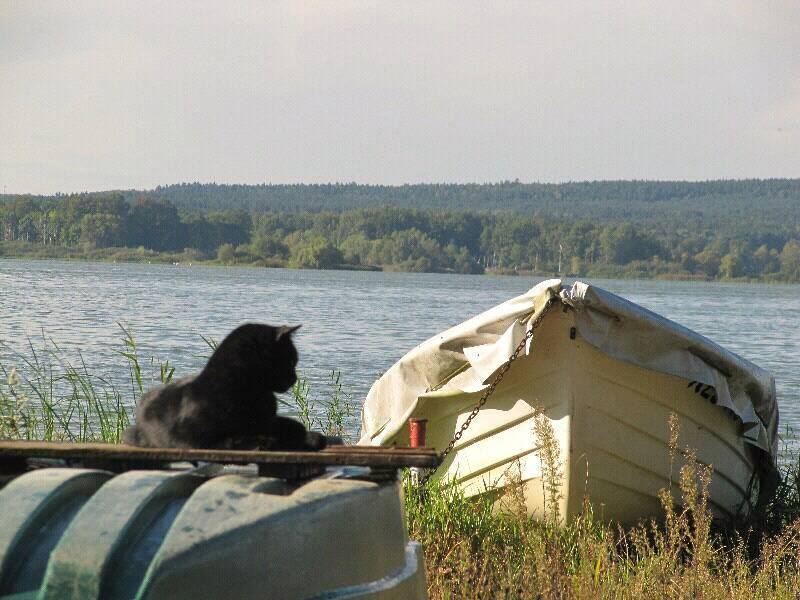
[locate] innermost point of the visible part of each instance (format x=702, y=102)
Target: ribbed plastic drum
x=82, y=533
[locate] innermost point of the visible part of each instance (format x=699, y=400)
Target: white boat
x=607, y=374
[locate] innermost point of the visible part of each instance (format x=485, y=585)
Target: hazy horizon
x=131, y=96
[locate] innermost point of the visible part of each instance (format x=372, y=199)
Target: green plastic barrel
x=82, y=533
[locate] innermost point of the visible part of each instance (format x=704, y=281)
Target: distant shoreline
x=29, y=251
x=735, y=231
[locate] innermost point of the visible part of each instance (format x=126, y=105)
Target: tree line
x=730, y=205
x=408, y=239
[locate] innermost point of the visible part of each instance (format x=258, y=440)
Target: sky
x=120, y=95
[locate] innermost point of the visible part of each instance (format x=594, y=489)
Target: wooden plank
x=379, y=449
x=366, y=456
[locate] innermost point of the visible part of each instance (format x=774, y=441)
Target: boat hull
x=609, y=424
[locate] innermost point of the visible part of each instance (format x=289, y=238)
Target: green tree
x=708, y=261
x=356, y=249
x=790, y=260
x=576, y=266
x=315, y=253
x=621, y=244
x=155, y=224
x=226, y=253
x=267, y=246
x=765, y=261
x=101, y=230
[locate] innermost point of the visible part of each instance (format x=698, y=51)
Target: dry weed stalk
x=514, y=500
x=549, y=453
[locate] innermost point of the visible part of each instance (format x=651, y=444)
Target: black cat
x=231, y=403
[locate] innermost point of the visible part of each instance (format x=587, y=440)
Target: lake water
x=358, y=323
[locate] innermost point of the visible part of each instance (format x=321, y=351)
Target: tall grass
x=473, y=549
x=327, y=412
x=46, y=396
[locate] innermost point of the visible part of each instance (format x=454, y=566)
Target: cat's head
x=285, y=358
x=262, y=354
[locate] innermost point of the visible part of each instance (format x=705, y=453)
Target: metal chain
x=492, y=386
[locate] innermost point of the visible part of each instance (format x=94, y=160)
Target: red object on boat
x=416, y=432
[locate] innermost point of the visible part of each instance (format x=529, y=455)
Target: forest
x=746, y=229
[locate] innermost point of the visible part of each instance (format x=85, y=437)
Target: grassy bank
x=471, y=549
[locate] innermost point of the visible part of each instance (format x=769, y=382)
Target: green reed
x=46, y=396
x=328, y=411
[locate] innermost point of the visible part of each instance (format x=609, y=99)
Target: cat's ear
x=287, y=330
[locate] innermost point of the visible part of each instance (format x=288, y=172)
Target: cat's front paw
x=314, y=440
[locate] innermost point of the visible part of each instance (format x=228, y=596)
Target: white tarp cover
x=617, y=327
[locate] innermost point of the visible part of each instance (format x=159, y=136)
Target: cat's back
x=159, y=402
x=158, y=413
